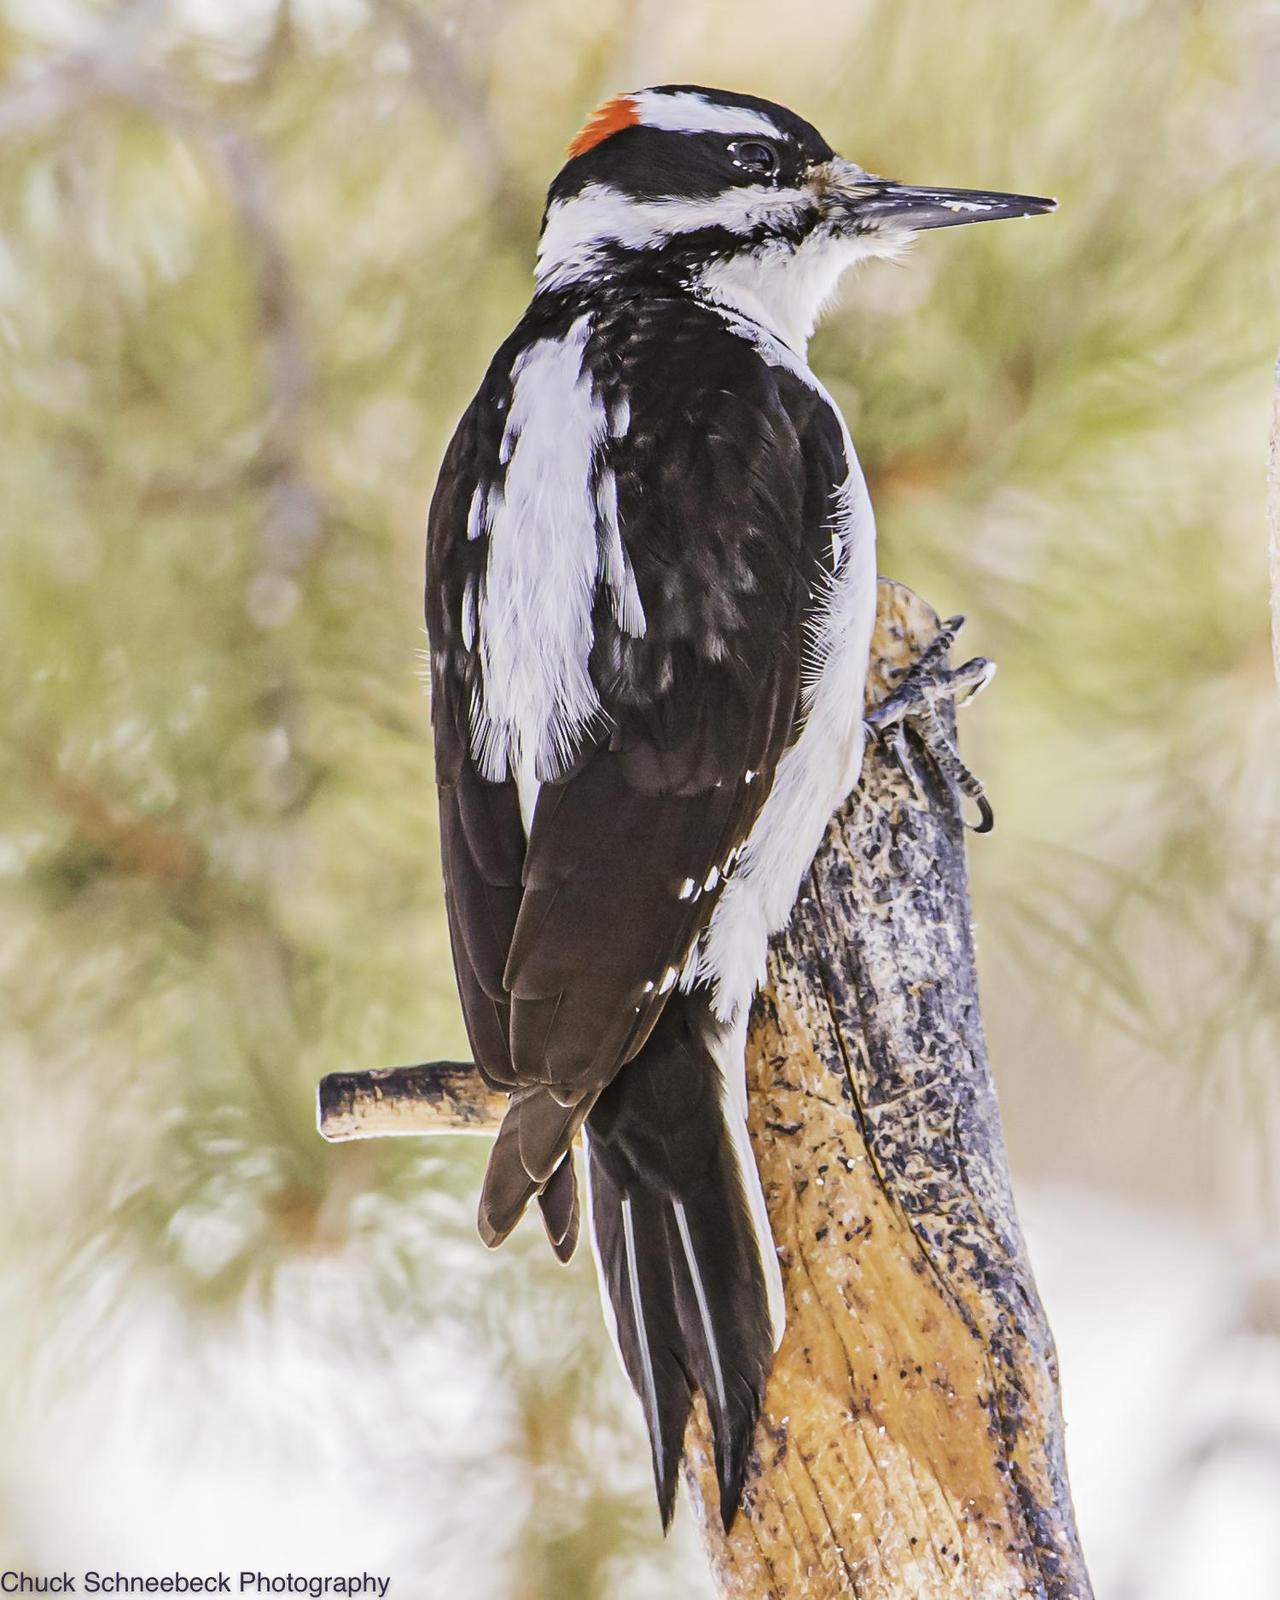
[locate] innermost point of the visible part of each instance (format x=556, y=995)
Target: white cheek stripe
x=578, y=229
x=694, y=113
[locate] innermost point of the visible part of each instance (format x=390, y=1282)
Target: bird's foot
x=913, y=706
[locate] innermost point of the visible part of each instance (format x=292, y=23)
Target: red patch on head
x=610, y=118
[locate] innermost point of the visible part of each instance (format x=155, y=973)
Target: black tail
x=678, y=1249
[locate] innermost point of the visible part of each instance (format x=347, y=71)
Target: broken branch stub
x=911, y=1442
x=435, y=1097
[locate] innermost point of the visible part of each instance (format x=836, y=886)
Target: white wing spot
x=689, y=972
x=687, y=888
x=713, y=878
x=478, y=515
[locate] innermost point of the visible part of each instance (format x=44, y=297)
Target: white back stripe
x=540, y=579
x=553, y=543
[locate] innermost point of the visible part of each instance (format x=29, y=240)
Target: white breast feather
x=782, y=288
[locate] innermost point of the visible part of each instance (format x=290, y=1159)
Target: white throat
x=784, y=290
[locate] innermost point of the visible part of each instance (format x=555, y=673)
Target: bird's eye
x=755, y=157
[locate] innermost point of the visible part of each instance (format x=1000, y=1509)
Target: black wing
x=567, y=950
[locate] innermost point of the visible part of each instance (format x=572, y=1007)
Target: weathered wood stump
x=911, y=1444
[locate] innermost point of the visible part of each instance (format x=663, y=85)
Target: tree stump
x=911, y=1442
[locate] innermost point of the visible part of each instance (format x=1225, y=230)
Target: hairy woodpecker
x=650, y=592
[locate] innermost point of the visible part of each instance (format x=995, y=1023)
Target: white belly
x=822, y=766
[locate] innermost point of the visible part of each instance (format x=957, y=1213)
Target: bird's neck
x=781, y=289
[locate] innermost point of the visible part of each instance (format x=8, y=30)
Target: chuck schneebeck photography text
x=92, y=1582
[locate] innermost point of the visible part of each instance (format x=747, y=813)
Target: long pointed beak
x=874, y=203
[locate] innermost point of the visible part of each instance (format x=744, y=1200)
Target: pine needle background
x=253, y=259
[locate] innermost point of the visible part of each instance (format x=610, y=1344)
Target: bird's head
x=733, y=197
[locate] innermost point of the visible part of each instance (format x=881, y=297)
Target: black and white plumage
x=650, y=592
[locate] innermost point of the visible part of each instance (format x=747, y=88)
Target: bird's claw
x=913, y=706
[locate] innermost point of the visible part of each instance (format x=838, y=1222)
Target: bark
x=911, y=1443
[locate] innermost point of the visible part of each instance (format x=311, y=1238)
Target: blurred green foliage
x=253, y=259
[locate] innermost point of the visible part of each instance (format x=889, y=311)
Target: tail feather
x=529, y=1158
x=558, y=1203
x=679, y=1250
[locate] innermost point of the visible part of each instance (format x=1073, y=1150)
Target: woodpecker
x=650, y=593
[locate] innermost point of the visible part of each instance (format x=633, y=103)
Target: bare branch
x=436, y=1097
